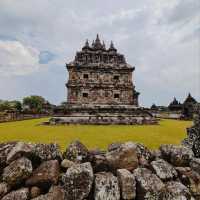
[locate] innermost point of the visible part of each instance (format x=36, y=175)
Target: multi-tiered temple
x=100, y=76
x=100, y=88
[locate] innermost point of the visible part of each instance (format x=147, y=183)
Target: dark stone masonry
x=100, y=89
x=125, y=171
x=100, y=76
x=128, y=171
x=193, y=139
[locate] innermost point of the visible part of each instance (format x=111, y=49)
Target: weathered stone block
x=179, y=156
x=195, y=164
x=100, y=163
x=45, y=175
x=124, y=157
x=176, y=191
x=127, y=184
x=67, y=163
x=149, y=186
x=163, y=169
x=190, y=179
x=4, y=189
x=5, y=148
x=18, y=150
x=21, y=194
x=77, y=181
x=77, y=152
x=17, y=171
x=35, y=192
x=47, y=152
x=55, y=193
x=106, y=187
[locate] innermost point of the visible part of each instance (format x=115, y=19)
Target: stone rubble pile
x=193, y=139
x=125, y=171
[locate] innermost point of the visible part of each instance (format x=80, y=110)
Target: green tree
x=33, y=103
x=17, y=105
x=5, y=105
x=10, y=105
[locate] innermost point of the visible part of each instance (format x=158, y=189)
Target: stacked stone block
x=127, y=171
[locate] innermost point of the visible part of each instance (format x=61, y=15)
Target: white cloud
x=159, y=37
x=17, y=59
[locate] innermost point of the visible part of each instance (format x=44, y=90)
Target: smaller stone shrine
x=175, y=105
x=100, y=89
x=188, y=107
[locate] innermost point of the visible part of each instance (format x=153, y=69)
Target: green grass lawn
x=168, y=131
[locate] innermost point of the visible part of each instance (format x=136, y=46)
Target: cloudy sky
x=160, y=38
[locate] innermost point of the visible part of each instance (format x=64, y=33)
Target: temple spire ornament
x=112, y=47
x=111, y=44
x=104, y=46
x=93, y=44
x=97, y=43
x=97, y=39
x=87, y=45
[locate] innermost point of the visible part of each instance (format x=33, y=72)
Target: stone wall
x=166, y=114
x=125, y=171
x=101, y=86
x=193, y=139
x=10, y=117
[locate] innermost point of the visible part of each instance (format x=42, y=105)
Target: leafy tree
x=17, y=106
x=4, y=105
x=34, y=103
x=10, y=105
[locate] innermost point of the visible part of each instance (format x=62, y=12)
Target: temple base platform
x=102, y=115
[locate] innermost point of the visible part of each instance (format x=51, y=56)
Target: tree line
x=31, y=104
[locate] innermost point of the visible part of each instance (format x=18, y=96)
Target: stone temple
x=100, y=88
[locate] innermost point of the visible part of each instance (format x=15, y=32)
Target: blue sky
x=160, y=38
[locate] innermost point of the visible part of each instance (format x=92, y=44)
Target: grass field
x=168, y=131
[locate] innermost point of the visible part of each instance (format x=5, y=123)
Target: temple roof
x=174, y=102
x=190, y=99
x=98, y=54
x=97, y=44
